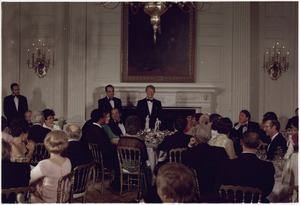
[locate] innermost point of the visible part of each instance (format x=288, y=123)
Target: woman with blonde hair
x=47, y=172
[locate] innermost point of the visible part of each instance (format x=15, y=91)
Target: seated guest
x=213, y=118
x=240, y=128
x=13, y=174
x=204, y=119
x=177, y=140
x=37, y=132
x=289, y=124
x=294, y=123
x=247, y=170
x=188, y=124
x=205, y=159
x=46, y=173
x=175, y=184
x=27, y=116
x=267, y=116
x=49, y=120
x=76, y=152
x=96, y=134
x=272, y=128
x=132, y=139
x=223, y=127
x=195, y=122
x=113, y=138
x=22, y=149
x=116, y=125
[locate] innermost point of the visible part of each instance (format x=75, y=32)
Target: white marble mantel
x=195, y=96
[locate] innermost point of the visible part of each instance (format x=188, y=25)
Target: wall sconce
x=276, y=61
x=38, y=58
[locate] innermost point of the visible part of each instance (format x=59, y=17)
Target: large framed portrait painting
x=170, y=59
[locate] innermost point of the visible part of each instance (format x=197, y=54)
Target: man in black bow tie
x=149, y=106
x=15, y=105
x=244, y=124
x=117, y=126
x=109, y=101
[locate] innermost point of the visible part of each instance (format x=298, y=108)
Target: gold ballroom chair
x=65, y=188
x=99, y=166
x=39, y=154
x=291, y=193
x=176, y=154
x=17, y=195
x=239, y=194
x=83, y=176
x=195, y=181
x=130, y=165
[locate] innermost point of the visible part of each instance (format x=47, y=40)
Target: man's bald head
x=74, y=132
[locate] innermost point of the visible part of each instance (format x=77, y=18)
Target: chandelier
x=38, y=58
x=276, y=61
x=156, y=9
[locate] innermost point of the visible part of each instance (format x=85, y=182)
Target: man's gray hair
x=36, y=116
x=202, y=133
x=73, y=133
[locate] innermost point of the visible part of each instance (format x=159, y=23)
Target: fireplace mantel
x=190, y=96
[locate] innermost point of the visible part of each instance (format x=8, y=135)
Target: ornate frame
x=153, y=67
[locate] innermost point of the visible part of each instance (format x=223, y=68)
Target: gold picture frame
x=170, y=60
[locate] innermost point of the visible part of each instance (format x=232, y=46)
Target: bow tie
x=109, y=99
x=150, y=100
x=16, y=96
x=245, y=125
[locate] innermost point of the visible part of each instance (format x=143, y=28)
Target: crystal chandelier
x=38, y=58
x=156, y=9
x=276, y=61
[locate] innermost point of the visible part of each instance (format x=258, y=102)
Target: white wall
x=230, y=41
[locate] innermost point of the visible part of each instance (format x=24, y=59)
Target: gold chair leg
x=121, y=184
x=102, y=182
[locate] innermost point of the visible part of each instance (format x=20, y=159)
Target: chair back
x=82, y=177
x=39, y=153
x=65, y=188
x=175, y=154
x=239, y=194
x=195, y=181
x=16, y=195
x=291, y=193
x=129, y=159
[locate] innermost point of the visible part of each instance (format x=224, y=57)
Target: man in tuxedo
x=15, y=105
x=116, y=125
x=149, y=106
x=96, y=134
x=240, y=128
x=205, y=159
x=76, y=152
x=272, y=128
x=177, y=140
x=289, y=124
x=247, y=170
x=37, y=132
x=109, y=101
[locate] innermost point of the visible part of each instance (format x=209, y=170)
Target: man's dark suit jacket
x=248, y=171
x=236, y=135
x=10, y=110
x=279, y=141
x=177, y=140
x=78, y=154
x=98, y=136
x=206, y=160
x=37, y=133
x=143, y=111
x=114, y=126
x=105, y=104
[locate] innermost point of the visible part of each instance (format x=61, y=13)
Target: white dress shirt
x=16, y=100
x=122, y=128
x=112, y=103
x=150, y=105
